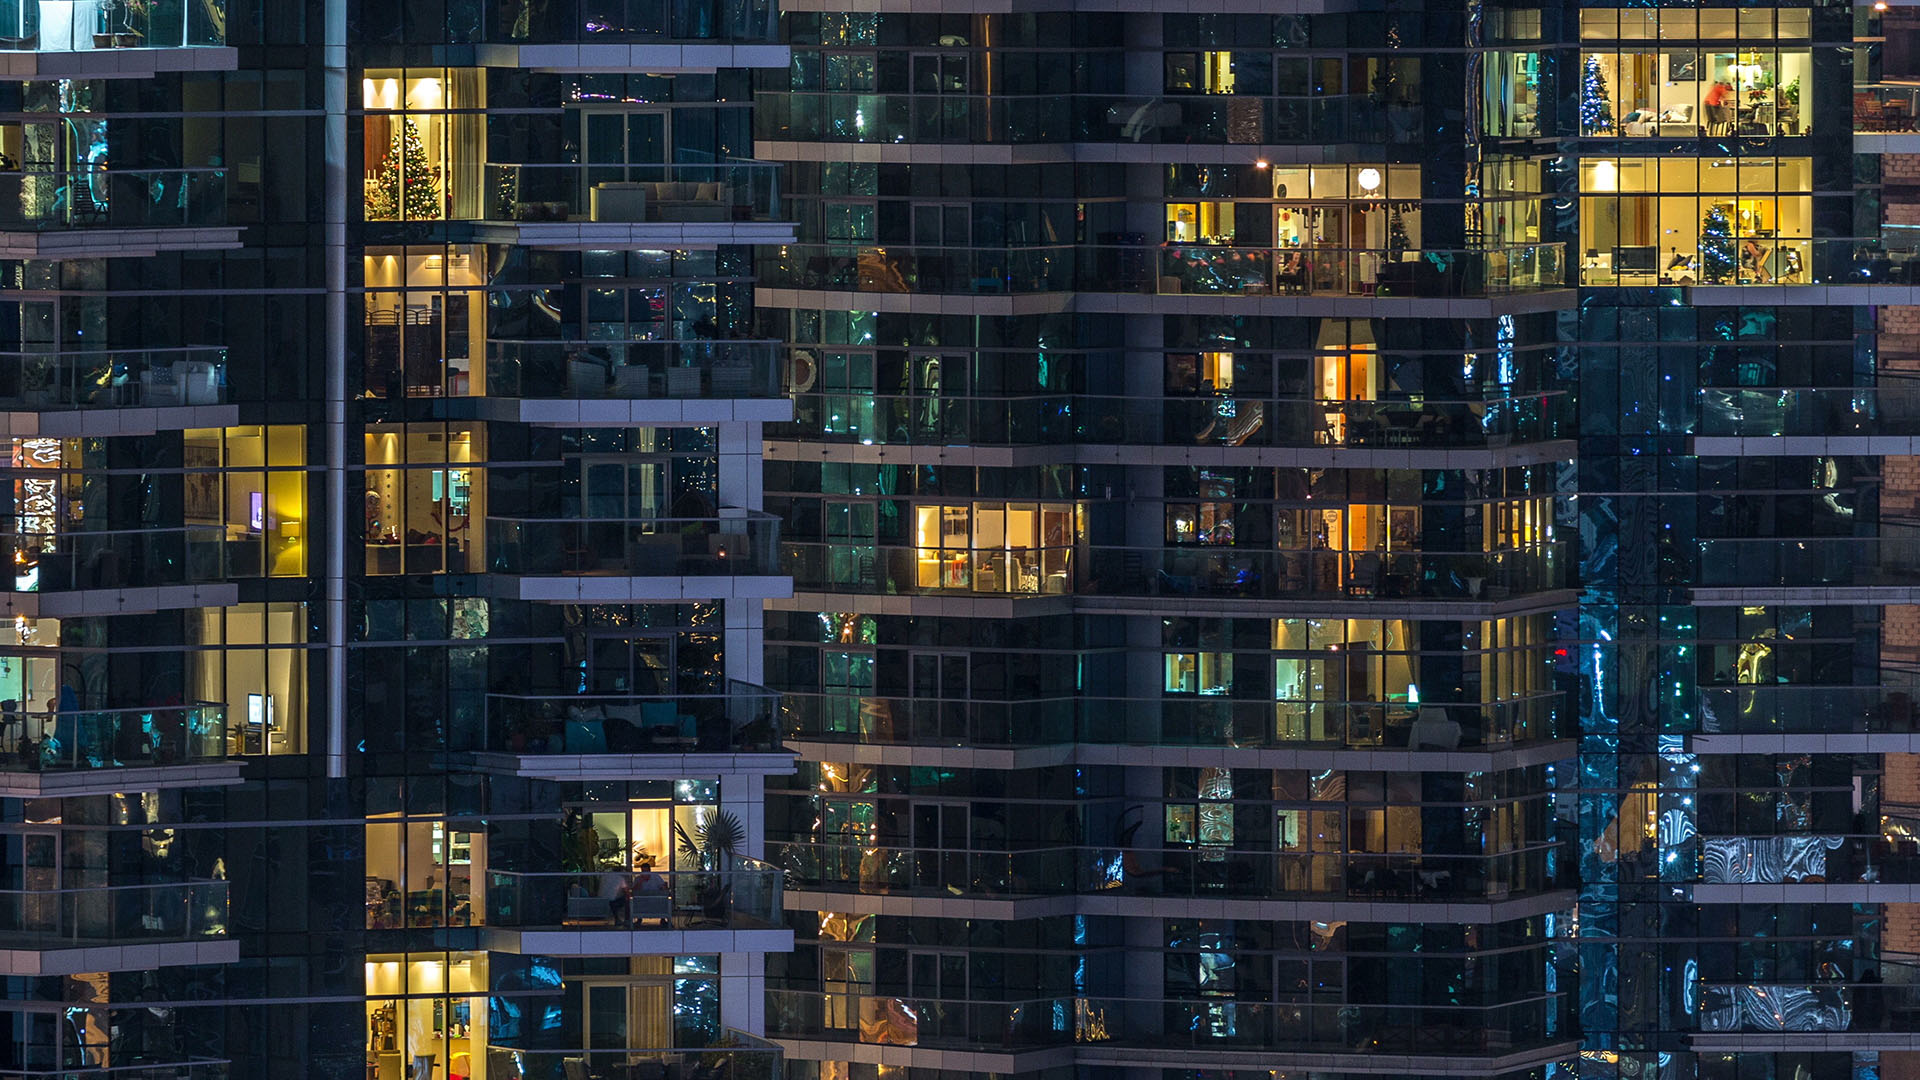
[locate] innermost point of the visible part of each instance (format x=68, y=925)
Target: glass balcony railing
x=52, y=200
x=873, y=865
x=1329, y=1024
x=74, y=25
x=1219, y=120
x=598, y=22
x=625, y=370
x=635, y=547
x=742, y=720
x=1809, y=858
x=1228, y=419
x=1809, y=1006
x=628, y=193
x=76, y=740
x=1200, y=570
x=1760, y=260
x=1880, y=110
x=1188, y=720
x=1888, y=409
x=1892, y=559
x=1166, y=270
x=113, y=915
x=189, y=1069
x=1776, y=709
x=127, y=558
x=749, y=1059
x=111, y=378
x=745, y=896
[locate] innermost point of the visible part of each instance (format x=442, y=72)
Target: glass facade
x=383, y=697
x=1388, y=510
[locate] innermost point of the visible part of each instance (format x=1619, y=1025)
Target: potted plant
x=716, y=835
x=132, y=11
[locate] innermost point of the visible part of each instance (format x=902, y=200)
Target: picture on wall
x=1683, y=66
x=202, y=485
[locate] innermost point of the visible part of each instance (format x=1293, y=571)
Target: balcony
x=662, y=36
x=1891, y=409
x=1231, y=418
x=589, y=206
x=1886, y=110
x=1130, y=122
x=1809, y=710
x=101, y=213
x=1809, y=858
x=875, y=866
x=111, y=571
x=94, y=751
x=100, y=39
x=1167, y=270
x=745, y=897
x=1218, y=1024
x=189, y=1069
x=117, y=379
x=742, y=720
x=1888, y=561
x=641, y=381
x=748, y=1059
x=569, y=559
x=114, y=928
x=1224, y=572
x=1191, y=721
x=626, y=736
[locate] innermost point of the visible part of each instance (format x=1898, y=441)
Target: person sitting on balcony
x=617, y=890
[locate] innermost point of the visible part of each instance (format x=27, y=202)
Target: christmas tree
x=1397, y=240
x=1596, y=106
x=1716, y=247
x=408, y=186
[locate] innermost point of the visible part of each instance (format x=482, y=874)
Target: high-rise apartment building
x=382, y=691
x=1346, y=539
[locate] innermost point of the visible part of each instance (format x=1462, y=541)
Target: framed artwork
x=1683, y=66
x=201, y=485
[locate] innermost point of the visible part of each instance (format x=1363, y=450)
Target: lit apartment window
x=996, y=547
x=424, y=148
x=425, y=872
x=1199, y=72
x=1198, y=673
x=425, y=320
x=1685, y=220
x=251, y=658
x=426, y=1012
x=1674, y=88
x=425, y=502
x=1343, y=680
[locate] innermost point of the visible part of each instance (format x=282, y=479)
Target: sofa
x=628, y=729
x=662, y=201
x=1673, y=123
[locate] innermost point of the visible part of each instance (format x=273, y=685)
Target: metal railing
x=187, y=1069
x=633, y=193
x=145, y=736
x=744, y=718
x=744, y=895
x=1781, y=709
x=747, y=544
x=1879, y=110
x=621, y=370
x=113, y=915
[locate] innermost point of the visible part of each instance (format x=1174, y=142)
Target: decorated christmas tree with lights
x=1596, y=108
x=407, y=186
x=1716, y=246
